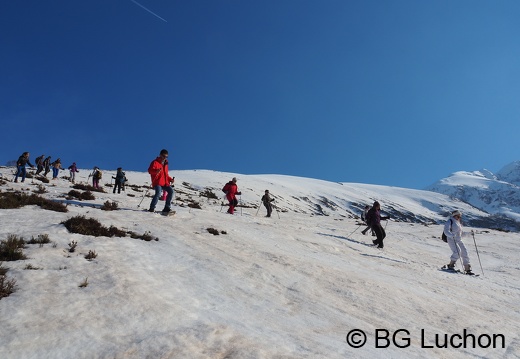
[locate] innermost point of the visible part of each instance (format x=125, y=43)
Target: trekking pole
x=147, y=190
x=241, y=205
x=276, y=209
x=260, y=205
x=354, y=230
x=473, y=234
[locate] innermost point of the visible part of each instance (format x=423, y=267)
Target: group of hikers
x=452, y=234
x=162, y=183
x=45, y=165
x=41, y=165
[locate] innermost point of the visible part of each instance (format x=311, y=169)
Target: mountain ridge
x=485, y=200
x=496, y=194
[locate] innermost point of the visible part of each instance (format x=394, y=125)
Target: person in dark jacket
x=39, y=164
x=120, y=180
x=161, y=181
x=231, y=190
x=364, y=219
x=374, y=218
x=23, y=160
x=47, y=165
x=266, y=199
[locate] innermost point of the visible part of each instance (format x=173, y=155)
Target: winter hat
x=456, y=213
x=234, y=179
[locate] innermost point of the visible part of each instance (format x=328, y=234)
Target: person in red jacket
x=161, y=181
x=231, y=190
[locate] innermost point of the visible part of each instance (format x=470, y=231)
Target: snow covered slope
x=296, y=285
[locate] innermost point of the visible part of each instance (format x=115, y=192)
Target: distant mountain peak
x=486, y=173
x=510, y=173
x=497, y=194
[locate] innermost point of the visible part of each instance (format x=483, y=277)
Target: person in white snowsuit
x=454, y=233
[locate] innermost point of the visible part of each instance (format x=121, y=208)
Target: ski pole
x=458, y=252
x=473, y=234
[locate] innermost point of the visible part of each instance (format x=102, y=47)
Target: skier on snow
x=454, y=233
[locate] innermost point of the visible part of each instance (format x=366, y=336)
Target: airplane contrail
x=150, y=11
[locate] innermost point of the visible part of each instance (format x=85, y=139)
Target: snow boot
x=467, y=269
x=451, y=266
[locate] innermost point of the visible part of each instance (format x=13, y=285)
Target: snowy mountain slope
x=288, y=287
x=344, y=200
x=318, y=197
x=510, y=173
x=498, y=195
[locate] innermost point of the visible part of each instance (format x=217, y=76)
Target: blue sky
x=398, y=93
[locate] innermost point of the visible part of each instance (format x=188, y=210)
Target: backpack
x=225, y=189
x=368, y=217
x=97, y=174
x=443, y=237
